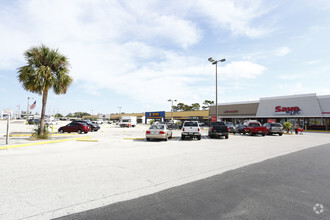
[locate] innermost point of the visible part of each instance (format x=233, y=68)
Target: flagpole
x=27, y=110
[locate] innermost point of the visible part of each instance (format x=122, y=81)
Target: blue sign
x=155, y=115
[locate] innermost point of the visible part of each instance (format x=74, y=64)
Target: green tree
x=180, y=106
x=80, y=114
x=70, y=115
x=46, y=69
x=206, y=104
x=195, y=106
x=58, y=115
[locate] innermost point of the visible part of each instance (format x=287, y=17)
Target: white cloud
x=236, y=16
x=134, y=49
x=242, y=69
x=282, y=51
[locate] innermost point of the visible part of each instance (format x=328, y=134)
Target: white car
x=191, y=129
x=158, y=131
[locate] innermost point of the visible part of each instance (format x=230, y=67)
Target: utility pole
x=119, y=109
x=172, y=100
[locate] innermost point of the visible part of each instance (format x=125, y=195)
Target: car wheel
x=263, y=134
x=61, y=131
x=199, y=137
x=251, y=134
x=182, y=137
x=85, y=132
x=79, y=131
x=226, y=136
x=148, y=139
x=280, y=134
x=166, y=139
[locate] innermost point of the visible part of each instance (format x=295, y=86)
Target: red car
x=253, y=128
x=75, y=127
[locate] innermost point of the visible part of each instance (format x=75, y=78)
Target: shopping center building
x=309, y=110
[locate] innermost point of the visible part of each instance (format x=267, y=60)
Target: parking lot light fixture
x=172, y=100
x=213, y=61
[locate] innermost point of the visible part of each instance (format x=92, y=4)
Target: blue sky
x=138, y=54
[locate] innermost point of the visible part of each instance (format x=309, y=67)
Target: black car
x=94, y=126
x=34, y=121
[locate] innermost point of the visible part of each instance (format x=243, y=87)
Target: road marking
x=206, y=138
x=87, y=140
x=134, y=138
x=39, y=143
x=27, y=135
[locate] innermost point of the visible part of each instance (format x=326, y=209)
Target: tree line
x=193, y=107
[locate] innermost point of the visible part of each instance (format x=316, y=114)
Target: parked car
x=218, y=129
x=34, y=121
x=75, y=127
x=231, y=127
x=191, y=129
x=274, y=128
x=94, y=126
x=173, y=126
x=253, y=128
x=158, y=131
x=240, y=128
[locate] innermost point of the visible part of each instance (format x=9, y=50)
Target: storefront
x=308, y=110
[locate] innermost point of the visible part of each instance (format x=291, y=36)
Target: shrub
x=287, y=126
x=36, y=134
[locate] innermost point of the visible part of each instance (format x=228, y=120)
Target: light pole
x=172, y=100
x=216, y=81
x=27, y=109
x=119, y=109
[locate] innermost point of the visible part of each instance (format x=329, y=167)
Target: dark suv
x=94, y=126
x=34, y=121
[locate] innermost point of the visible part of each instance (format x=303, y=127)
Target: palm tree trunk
x=43, y=111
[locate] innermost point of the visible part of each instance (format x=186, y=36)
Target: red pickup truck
x=253, y=128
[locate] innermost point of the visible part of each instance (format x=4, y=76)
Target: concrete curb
x=39, y=143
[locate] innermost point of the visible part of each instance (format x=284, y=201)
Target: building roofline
x=235, y=103
x=289, y=96
x=323, y=96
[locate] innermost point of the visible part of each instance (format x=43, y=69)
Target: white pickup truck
x=191, y=129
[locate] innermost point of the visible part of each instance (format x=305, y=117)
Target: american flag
x=33, y=105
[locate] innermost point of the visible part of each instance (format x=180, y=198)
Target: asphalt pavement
x=293, y=186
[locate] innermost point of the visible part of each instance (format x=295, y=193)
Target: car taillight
x=198, y=129
x=161, y=132
x=212, y=128
x=148, y=132
x=227, y=128
x=182, y=129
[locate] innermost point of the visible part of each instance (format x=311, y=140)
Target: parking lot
x=115, y=164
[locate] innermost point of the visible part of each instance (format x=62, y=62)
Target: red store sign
x=287, y=110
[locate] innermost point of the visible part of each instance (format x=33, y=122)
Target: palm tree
x=46, y=69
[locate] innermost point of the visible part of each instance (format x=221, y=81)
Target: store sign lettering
x=288, y=110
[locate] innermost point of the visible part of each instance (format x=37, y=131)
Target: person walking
x=296, y=126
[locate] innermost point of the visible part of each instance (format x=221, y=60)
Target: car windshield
x=191, y=124
x=276, y=125
x=161, y=127
x=217, y=123
x=254, y=125
x=230, y=124
x=125, y=120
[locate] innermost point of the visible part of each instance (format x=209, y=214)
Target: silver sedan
x=158, y=131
